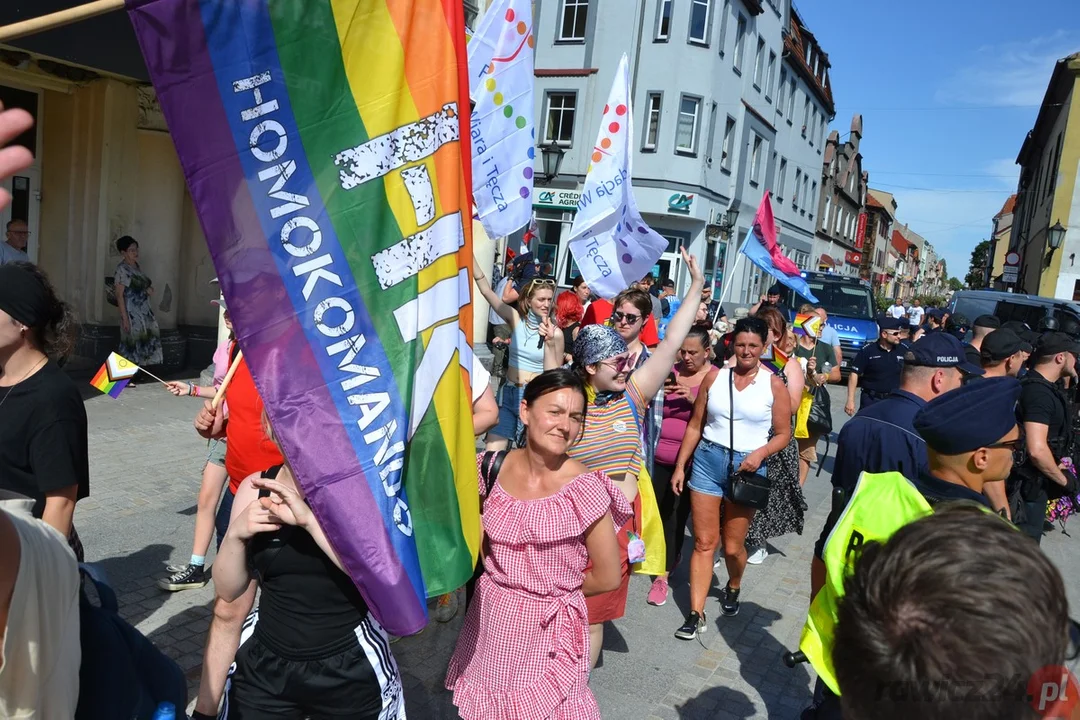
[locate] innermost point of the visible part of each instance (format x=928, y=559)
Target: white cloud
x=1008, y=74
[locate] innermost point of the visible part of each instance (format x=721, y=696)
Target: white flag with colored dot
x=502, y=132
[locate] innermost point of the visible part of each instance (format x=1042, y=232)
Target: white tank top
x=753, y=412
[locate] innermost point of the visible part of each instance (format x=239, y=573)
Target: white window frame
x=757, y=144
x=781, y=179
x=549, y=95
x=825, y=214
x=694, y=5
x=759, y=63
x=692, y=150
x=650, y=111
x=740, y=41
x=577, y=6
x=661, y=6
x=728, y=148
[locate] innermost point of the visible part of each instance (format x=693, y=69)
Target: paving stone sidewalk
x=146, y=463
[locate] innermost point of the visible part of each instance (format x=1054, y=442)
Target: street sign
x=1013, y=258
x=1011, y=272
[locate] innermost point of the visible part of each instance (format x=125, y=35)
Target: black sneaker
x=694, y=626
x=191, y=577
x=729, y=602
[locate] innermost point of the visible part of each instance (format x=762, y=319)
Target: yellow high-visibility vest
x=881, y=504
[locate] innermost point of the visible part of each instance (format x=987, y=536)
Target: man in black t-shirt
x=1043, y=411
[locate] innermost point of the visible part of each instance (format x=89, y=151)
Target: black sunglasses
x=630, y=318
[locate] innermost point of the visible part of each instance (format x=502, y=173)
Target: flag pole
x=59, y=19
x=220, y=394
x=727, y=286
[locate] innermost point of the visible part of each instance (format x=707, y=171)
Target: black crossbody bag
x=490, y=465
x=747, y=488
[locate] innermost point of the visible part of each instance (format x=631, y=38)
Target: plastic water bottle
x=165, y=711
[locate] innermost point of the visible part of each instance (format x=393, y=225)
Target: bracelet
x=198, y=391
x=190, y=389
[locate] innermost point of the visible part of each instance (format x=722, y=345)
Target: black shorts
x=356, y=678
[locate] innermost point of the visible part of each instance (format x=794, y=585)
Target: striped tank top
x=611, y=441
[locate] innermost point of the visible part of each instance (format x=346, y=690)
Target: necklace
x=28, y=373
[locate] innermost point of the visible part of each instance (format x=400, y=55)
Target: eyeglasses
x=629, y=318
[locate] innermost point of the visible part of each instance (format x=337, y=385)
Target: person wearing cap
x=970, y=434
x=1048, y=323
x=772, y=297
x=983, y=326
x=957, y=325
x=1003, y=353
x=876, y=368
x=1044, y=411
x=882, y=437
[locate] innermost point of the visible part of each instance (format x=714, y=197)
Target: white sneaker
x=758, y=556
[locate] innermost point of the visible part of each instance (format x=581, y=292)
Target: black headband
x=23, y=296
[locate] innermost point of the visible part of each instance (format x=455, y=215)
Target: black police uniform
x=878, y=371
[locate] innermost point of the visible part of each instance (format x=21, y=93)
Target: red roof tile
x=872, y=201
x=1008, y=207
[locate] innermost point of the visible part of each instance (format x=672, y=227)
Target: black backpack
x=122, y=675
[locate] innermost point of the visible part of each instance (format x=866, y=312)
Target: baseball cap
x=1000, y=344
x=1052, y=343
x=940, y=350
x=1021, y=328
x=987, y=321
x=776, y=289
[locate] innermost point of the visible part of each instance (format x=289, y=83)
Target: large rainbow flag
x=323, y=144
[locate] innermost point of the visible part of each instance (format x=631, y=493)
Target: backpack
x=122, y=675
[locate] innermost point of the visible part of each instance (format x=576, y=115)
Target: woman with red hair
x=568, y=314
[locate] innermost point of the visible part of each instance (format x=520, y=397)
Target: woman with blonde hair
x=818, y=362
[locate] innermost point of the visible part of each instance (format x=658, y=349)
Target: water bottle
x=165, y=711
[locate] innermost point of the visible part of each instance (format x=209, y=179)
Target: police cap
x=968, y=418
x=1052, y=343
x=890, y=323
x=940, y=350
x=987, y=321
x=1001, y=344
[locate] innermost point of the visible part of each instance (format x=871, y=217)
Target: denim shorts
x=509, y=409
x=711, y=473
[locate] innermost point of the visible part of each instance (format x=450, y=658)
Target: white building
x=720, y=114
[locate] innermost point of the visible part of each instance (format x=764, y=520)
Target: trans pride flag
x=325, y=144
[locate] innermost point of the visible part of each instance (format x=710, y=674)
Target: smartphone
x=263, y=492
x=671, y=378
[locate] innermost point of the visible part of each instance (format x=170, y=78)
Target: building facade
x=1000, y=242
x=726, y=106
x=1048, y=192
x=841, y=230
x=880, y=216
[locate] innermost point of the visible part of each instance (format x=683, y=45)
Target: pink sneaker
x=658, y=591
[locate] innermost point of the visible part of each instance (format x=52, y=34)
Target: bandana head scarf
x=594, y=344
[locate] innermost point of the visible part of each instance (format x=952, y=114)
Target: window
x=813, y=198
x=781, y=180
x=575, y=14
x=770, y=76
x=729, y=144
x=783, y=90
x=699, y=21
x=795, y=190
x=686, y=129
x=806, y=114
x=710, y=143
x=561, y=108
x=759, y=63
x=663, y=20
x=825, y=213
x=791, y=100
x=805, y=193
x=740, y=38
x=755, y=160
x=723, y=25
x=652, y=121
x=813, y=125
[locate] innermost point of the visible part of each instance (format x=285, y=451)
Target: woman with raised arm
x=736, y=412
x=527, y=319
x=611, y=442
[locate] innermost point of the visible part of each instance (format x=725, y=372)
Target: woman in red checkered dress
x=523, y=653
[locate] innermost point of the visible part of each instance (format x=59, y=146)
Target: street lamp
x=730, y=218
x=1055, y=236
x=551, y=156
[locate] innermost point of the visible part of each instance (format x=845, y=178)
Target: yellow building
x=1048, y=191
x=1000, y=242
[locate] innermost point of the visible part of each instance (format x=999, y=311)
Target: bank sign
x=566, y=199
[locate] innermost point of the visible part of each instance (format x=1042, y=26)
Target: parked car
x=1013, y=306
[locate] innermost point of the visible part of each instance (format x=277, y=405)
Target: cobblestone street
x=146, y=462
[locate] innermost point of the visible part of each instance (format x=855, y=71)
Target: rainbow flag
x=808, y=324
x=774, y=359
x=326, y=147
x=114, y=375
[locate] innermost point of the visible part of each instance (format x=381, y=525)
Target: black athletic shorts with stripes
x=356, y=677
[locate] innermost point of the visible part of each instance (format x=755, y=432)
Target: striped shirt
x=611, y=441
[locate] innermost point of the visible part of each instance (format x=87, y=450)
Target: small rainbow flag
x=808, y=324
x=774, y=359
x=114, y=375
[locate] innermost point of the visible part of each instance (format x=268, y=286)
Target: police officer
x=882, y=437
x=1003, y=353
x=1047, y=324
x=983, y=326
x=876, y=368
x=970, y=435
x=958, y=325
x=933, y=320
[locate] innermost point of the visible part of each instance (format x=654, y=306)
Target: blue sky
x=947, y=91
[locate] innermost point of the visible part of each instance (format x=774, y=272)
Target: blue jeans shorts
x=509, y=407
x=710, y=474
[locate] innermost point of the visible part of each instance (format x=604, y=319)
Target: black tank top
x=307, y=603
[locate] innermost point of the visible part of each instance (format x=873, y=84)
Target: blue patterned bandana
x=596, y=343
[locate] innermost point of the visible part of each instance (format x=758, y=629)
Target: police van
x=850, y=305
x=1008, y=306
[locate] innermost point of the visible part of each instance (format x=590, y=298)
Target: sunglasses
x=618, y=364
x=628, y=318
x=541, y=282
x=891, y=333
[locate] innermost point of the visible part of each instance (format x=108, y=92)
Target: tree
x=955, y=284
x=980, y=259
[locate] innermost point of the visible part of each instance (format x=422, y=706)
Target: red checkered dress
x=523, y=653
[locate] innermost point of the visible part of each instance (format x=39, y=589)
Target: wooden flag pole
x=220, y=394
x=59, y=19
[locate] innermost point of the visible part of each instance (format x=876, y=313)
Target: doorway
x=25, y=188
